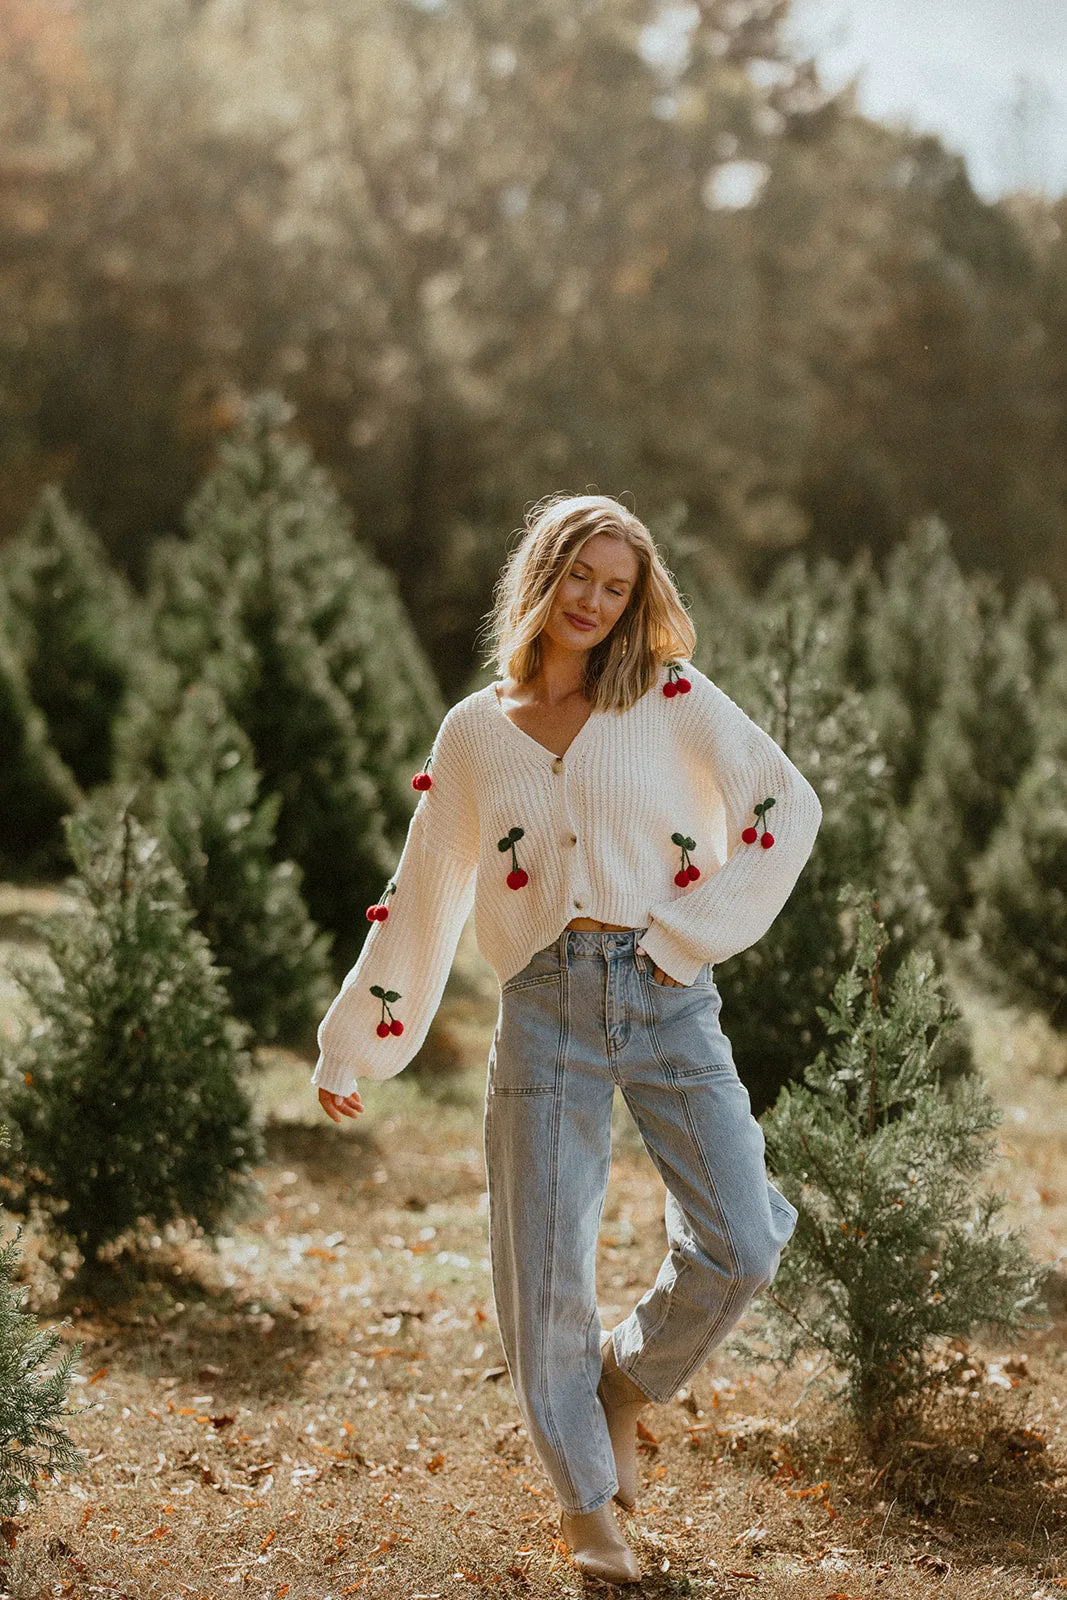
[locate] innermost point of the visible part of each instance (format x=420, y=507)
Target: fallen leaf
x=803, y=1494
x=436, y=1462
x=271, y=1536
x=101, y=1372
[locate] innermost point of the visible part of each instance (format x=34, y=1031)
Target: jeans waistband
x=581, y=942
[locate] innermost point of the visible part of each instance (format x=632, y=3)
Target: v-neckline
x=552, y=755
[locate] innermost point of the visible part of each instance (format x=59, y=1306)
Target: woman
x=620, y=826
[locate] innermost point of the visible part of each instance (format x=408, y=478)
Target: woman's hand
x=665, y=978
x=337, y=1106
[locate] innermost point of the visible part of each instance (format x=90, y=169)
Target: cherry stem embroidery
x=675, y=684
x=517, y=876
x=394, y=1025
x=379, y=911
x=689, y=873
x=751, y=834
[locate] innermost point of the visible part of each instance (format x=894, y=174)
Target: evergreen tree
x=36, y=788
x=1036, y=618
x=273, y=600
x=75, y=622
x=978, y=743
x=788, y=673
x=127, y=1092
x=896, y=1247
x=33, y=1402
x=267, y=505
x=220, y=836
x=1020, y=914
x=912, y=634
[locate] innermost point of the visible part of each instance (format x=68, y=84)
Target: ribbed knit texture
x=597, y=826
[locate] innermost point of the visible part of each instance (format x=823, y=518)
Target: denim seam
x=652, y=1332
x=594, y=1317
x=713, y=1335
x=537, y=1088
x=530, y=983
x=550, y=1231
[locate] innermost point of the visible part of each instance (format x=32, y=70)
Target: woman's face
x=593, y=594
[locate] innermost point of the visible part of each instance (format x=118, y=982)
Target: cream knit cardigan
x=596, y=842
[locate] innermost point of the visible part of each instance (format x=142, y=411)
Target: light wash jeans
x=585, y=1015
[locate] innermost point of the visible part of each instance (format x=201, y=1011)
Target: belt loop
x=561, y=948
x=639, y=955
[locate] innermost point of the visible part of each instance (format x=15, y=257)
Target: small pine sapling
x=128, y=1093
x=896, y=1247
x=220, y=832
x=33, y=1401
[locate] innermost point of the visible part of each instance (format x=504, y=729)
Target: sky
x=989, y=76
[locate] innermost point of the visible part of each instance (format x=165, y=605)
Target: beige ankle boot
x=599, y=1549
x=622, y=1400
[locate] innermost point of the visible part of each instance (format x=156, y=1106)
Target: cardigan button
x=572, y=838
x=577, y=904
x=557, y=765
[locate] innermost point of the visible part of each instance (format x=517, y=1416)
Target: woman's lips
x=578, y=622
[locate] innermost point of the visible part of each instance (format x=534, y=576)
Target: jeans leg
x=548, y=1149
x=726, y=1223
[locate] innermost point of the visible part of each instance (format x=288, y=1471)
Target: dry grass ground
x=318, y=1407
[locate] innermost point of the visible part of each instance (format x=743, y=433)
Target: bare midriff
x=587, y=923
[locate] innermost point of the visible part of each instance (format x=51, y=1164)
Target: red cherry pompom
x=670, y=689
x=517, y=878
x=767, y=840
x=380, y=913
x=422, y=780
x=396, y=1026
x=683, y=685
x=749, y=835
x=694, y=873
x=372, y=913
x=682, y=878
x=382, y=1030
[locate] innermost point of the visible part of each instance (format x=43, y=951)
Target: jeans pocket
x=683, y=1020
x=527, y=1054
x=542, y=967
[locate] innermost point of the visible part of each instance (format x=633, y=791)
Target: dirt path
x=319, y=1407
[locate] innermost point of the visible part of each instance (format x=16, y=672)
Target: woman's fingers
x=337, y=1106
x=665, y=977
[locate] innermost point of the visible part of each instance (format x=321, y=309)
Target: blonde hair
x=654, y=628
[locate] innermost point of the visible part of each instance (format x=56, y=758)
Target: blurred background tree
x=491, y=250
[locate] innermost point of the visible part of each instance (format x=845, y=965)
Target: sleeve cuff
x=337, y=1079
x=661, y=947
